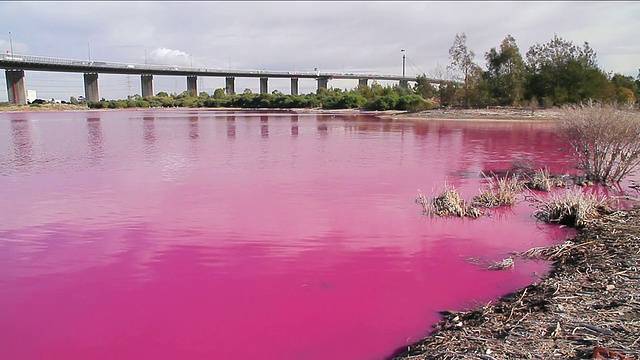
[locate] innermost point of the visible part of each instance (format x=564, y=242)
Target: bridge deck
x=43, y=63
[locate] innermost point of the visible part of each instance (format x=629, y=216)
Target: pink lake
x=194, y=234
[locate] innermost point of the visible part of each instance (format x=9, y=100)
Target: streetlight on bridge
x=11, y=42
x=403, y=61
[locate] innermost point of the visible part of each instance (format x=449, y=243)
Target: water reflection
x=149, y=129
x=231, y=127
x=299, y=221
x=294, y=125
x=264, y=126
x=95, y=138
x=148, y=133
x=194, y=130
x=489, y=147
x=322, y=126
x=22, y=142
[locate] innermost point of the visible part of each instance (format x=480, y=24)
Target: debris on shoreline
x=588, y=307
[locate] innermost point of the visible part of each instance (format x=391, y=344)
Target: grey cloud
x=331, y=35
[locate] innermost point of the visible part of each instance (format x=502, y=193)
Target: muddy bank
x=588, y=307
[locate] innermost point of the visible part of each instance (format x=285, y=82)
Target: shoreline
x=587, y=307
x=496, y=114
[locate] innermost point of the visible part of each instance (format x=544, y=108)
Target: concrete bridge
x=16, y=64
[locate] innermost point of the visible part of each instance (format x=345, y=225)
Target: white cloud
x=164, y=56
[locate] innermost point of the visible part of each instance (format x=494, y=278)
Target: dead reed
x=572, y=207
x=499, y=192
x=447, y=203
x=540, y=180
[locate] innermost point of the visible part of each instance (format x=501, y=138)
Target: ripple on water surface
x=209, y=234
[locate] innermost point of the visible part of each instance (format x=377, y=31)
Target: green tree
x=219, y=93
x=445, y=86
x=424, y=88
x=505, y=75
x=625, y=86
x=565, y=73
x=462, y=59
x=364, y=91
x=479, y=92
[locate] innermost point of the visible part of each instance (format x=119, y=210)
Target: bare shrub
x=572, y=207
x=499, y=192
x=604, y=137
x=448, y=203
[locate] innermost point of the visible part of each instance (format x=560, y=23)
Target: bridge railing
x=92, y=64
x=45, y=60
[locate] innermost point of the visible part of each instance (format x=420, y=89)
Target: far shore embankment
x=484, y=114
x=515, y=114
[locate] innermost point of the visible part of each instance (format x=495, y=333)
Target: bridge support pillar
x=146, y=82
x=231, y=85
x=294, y=86
x=363, y=82
x=192, y=85
x=264, y=85
x=91, y=91
x=323, y=83
x=15, y=86
x=404, y=84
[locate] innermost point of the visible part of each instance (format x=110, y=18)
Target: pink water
x=175, y=234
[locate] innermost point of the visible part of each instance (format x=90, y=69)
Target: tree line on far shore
x=374, y=97
x=550, y=74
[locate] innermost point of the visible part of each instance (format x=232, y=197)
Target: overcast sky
x=358, y=36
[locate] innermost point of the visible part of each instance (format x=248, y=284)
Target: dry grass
x=572, y=207
x=447, y=203
x=499, y=192
x=540, y=180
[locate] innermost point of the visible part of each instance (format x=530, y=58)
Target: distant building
x=31, y=95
